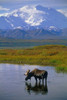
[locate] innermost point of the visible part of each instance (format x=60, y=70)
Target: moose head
x=28, y=75
x=27, y=72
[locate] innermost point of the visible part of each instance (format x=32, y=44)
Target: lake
x=22, y=44
x=14, y=87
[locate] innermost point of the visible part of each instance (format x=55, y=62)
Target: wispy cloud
x=4, y=9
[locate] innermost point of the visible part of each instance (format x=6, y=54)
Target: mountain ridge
x=32, y=34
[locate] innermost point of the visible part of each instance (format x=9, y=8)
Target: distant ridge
x=33, y=34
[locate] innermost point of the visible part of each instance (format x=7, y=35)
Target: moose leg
x=39, y=80
x=46, y=80
x=43, y=80
x=36, y=80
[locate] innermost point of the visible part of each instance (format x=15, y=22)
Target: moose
x=37, y=74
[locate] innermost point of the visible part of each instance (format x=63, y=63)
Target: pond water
x=14, y=87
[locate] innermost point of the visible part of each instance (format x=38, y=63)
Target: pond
x=14, y=87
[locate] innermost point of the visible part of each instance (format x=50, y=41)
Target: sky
x=10, y=5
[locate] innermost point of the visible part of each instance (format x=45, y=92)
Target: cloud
x=63, y=11
x=4, y=9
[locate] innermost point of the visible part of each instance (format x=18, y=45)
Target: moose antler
x=27, y=72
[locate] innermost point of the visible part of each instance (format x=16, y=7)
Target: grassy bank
x=52, y=55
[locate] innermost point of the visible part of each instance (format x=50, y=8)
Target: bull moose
x=37, y=74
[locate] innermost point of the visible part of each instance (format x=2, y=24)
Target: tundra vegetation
x=46, y=55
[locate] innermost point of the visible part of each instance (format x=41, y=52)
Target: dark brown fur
x=37, y=74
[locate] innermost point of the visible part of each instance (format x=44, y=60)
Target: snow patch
x=33, y=21
x=12, y=25
x=63, y=11
x=9, y=22
x=5, y=14
x=19, y=27
x=52, y=28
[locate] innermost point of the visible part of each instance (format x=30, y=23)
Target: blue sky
x=9, y=5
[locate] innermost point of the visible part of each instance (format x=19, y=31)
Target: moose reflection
x=37, y=74
x=37, y=88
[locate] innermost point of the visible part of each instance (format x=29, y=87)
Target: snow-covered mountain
x=33, y=22
x=33, y=17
